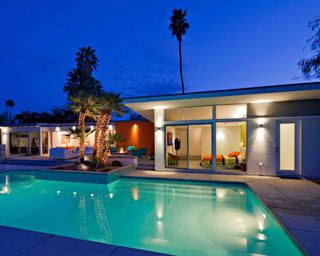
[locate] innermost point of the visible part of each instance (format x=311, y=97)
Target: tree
x=310, y=67
x=109, y=102
x=179, y=27
x=85, y=106
x=10, y=104
x=82, y=89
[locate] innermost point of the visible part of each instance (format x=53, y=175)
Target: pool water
x=180, y=218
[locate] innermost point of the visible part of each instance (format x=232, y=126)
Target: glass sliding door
x=231, y=146
x=189, y=146
x=177, y=146
x=200, y=146
x=23, y=138
x=14, y=143
x=19, y=143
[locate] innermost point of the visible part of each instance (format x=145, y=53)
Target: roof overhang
x=287, y=92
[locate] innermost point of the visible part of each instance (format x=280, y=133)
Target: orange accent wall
x=136, y=133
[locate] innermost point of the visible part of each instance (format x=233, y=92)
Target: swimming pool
x=181, y=218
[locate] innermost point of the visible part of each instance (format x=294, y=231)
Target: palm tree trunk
x=96, y=135
x=82, y=135
x=107, y=149
x=181, y=76
x=102, y=137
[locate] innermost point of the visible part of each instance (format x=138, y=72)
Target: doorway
x=288, y=144
x=189, y=146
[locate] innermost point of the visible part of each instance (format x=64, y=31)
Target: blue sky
x=230, y=44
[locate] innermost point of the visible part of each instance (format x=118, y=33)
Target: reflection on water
x=169, y=217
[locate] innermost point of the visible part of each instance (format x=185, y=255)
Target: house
x=268, y=130
x=39, y=138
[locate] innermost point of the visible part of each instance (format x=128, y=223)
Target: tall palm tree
x=10, y=104
x=80, y=78
x=85, y=106
x=109, y=103
x=179, y=27
x=87, y=60
x=82, y=88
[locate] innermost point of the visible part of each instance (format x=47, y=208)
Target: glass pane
x=192, y=113
x=287, y=147
x=176, y=147
x=14, y=143
x=231, y=145
x=45, y=142
x=231, y=111
x=200, y=147
x=23, y=143
x=35, y=143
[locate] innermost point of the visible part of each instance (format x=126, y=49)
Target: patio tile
x=195, y=176
x=120, y=251
x=309, y=240
x=263, y=188
x=22, y=242
x=58, y=245
x=279, y=201
x=297, y=219
x=7, y=233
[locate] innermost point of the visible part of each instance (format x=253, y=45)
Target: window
x=231, y=111
x=231, y=140
x=191, y=113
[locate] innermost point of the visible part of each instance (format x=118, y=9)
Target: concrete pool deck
x=296, y=203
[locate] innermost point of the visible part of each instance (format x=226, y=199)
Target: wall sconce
x=261, y=121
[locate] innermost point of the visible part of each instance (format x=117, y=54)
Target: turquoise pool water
x=164, y=216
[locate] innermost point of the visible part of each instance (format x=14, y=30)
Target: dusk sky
x=229, y=44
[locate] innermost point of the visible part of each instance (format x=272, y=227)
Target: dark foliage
x=310, y=67
x=56, y=115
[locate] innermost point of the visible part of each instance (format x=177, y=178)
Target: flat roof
x=145, y=105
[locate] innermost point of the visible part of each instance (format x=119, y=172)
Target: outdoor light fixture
x=261, y=121
x=159, y=107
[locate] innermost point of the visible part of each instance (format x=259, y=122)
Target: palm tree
x=109, y=103
x=85, y=106
x=80, y=78
x=82, y=89
x=179, y=27
x=10, y=104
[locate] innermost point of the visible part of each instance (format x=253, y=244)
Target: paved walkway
x=18, y=242
x=296, y=203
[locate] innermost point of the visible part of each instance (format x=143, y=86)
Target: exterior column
x=29, y=144
x=40, y=142
x=159, y=139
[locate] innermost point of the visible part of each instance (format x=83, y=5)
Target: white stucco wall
x=261, y=147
